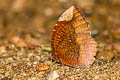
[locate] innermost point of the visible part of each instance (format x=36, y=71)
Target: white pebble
x=52, y=75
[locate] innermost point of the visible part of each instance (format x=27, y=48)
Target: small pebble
x=41, y=67
x=52, y=75
x=2, y=49
x=96, y=77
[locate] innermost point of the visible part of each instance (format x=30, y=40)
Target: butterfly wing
x=69, y=39
x=64, y=47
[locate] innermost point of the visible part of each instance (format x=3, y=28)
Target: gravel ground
x=21, y=64
x=26, y=28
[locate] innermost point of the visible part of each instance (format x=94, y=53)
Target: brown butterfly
x=72, y=43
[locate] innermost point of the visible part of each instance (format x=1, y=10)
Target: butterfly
x=72, y=43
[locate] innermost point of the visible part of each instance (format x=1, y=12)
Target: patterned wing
x=64, y=44
x=70, y=39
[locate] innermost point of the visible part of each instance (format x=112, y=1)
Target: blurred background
x=36, y=18
x=26, y=28
x=30, y=22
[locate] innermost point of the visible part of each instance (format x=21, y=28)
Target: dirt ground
x=25, y=39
